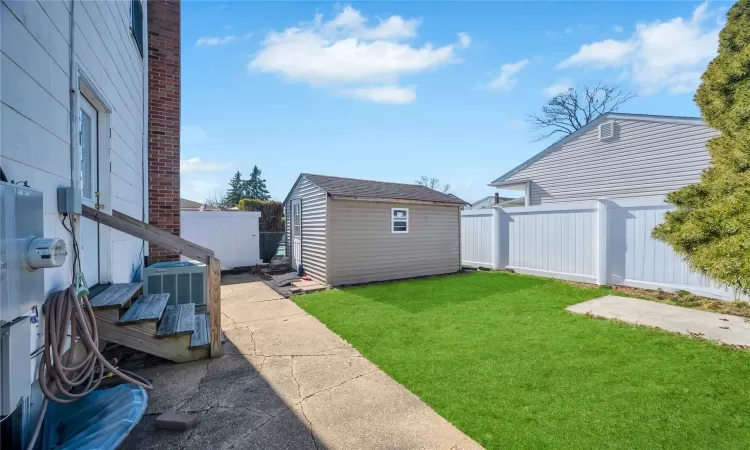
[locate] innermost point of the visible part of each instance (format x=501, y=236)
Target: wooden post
x=213, y=298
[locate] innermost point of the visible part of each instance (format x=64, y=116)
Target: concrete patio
x=286, y=382
x=725, y=328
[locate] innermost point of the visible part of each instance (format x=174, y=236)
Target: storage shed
x=348, y=231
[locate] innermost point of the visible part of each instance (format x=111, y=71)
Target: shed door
x=296, y=233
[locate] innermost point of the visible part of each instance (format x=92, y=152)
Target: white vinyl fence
x=602, y=242
x=232, y=235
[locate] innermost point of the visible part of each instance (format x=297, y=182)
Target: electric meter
x=44, y=253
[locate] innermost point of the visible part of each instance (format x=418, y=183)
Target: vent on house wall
x=607, y=131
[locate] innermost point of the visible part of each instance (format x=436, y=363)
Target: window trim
x=393, y=220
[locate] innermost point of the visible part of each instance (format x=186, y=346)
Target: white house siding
x=648, y=159
x=363, y=249
x=35, y=101
x=314, y=204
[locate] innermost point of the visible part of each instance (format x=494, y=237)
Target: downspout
x=144, y=156
x=74, y=96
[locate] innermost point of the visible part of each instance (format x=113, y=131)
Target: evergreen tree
x=236, y=190
x=711, y=225
x=255, y=187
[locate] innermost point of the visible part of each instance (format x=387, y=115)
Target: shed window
x=399, y=220
x=136, y=23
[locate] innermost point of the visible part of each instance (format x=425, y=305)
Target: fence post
x=601, y=242
x=495, y=241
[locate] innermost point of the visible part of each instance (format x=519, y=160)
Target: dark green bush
x=271, y=213
x=269, y=244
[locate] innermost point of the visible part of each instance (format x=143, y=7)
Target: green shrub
x=709, y=227
x=251, y=204
x=269, y=244
x=271, y=213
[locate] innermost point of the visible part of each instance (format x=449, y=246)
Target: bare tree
x=433, y=183
x=568, y=111
x=216, y=200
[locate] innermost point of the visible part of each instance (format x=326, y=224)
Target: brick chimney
x=163, y=121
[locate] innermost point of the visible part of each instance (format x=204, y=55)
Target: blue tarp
x=100, y=420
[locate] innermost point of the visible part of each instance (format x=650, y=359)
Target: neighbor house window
x=399, y=220
x=136, y=23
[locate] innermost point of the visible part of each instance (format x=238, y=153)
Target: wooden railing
x=141, y=230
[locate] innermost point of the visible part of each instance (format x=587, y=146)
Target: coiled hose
x=61, y=381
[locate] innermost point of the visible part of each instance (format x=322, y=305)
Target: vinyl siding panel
x=363, y=249
x=314, y=204
x=35, y=103
x=646, y=159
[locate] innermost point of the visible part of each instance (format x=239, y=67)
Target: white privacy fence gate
x=602, y=242
x=232, y=235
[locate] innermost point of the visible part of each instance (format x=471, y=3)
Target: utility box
x=21, y=288
x=184, y=281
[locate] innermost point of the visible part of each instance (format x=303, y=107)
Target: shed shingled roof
x=350, y=187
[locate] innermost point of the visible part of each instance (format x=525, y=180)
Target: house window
x=136, y=23
x=399, y=220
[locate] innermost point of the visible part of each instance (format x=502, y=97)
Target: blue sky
x=392, y=91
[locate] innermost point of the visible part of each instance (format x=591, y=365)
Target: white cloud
x=196, y=165
x=601, y=54
x=344, y=51
x=198, y=189
x=208, y=41
x=395, y=95
x=660, y=55
x=213, y=41
x=506, y=80
x=464, y=39
x=618, y=29
x=557, y=87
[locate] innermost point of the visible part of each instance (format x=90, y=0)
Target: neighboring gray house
x=347, y=231
x=492, y=200
x=190, y=205
x=615, y=156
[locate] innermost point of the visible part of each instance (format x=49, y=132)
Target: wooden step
x=177, y=320
x=146, y=308
x=201, y=337
x=115, y=296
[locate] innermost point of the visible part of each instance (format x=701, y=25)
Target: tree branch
x=569, y=111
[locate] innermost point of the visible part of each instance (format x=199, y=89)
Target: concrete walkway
x=725, y=328
x=286, y=382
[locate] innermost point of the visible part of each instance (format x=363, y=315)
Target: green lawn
x=498, y=356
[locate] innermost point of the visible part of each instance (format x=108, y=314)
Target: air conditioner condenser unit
x=184, y=281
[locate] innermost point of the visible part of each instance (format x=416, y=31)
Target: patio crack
x=309, y=425
x=302, y=407
x=323, y=353
x=337, y=385
x=229, y=317
x=252, y=339
x=269, y=417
